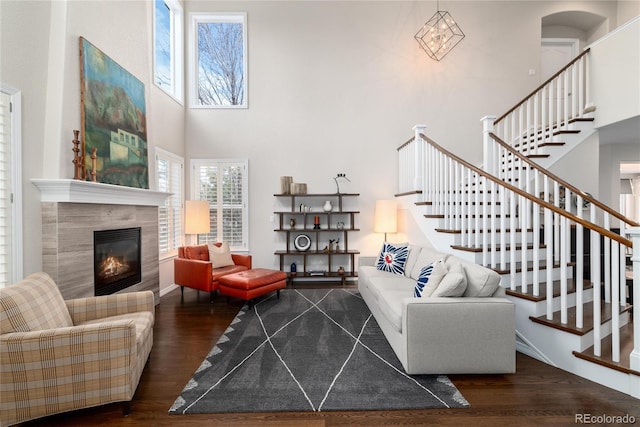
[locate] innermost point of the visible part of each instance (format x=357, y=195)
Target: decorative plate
x=302, y=242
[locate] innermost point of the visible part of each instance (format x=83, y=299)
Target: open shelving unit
x=317, y=261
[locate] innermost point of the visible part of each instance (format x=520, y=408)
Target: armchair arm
x=192, y=273
x=242, y=259
x=91, y=308
x=45, y=363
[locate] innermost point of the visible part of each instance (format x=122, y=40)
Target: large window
x=10, y=187
x=170, y=176
x=224, y=183
x=167, y=47
x=218, y=46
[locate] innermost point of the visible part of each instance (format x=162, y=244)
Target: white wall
x=333, y=87
x=337, y=86
x=615, y=91
x=611, y=155
x=40, y=56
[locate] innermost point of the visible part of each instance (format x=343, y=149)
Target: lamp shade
x=385, y=216
x=196, y=217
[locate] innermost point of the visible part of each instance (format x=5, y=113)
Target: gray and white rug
x=310, y=350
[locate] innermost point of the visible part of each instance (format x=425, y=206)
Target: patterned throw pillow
x=423, y=279
x=393, y=258
x=429, y=279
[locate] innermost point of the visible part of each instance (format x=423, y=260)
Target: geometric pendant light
x=439, y=34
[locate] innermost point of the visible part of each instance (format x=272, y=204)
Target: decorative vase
x=294, y=269
x=341, y=270
x=292, y=223
x=316, y=222
x=327, y=206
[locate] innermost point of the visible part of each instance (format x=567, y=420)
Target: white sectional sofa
x=470, y=334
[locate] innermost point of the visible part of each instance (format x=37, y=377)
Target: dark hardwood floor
x=537, y=394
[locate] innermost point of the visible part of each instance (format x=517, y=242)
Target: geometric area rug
x=310, y=350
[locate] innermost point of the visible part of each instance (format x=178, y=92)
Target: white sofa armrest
x=459, y=335
x=367, y=260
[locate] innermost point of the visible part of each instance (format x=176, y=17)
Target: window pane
x=223, y=184
x=232, y=185
x=220, y=61
x=209, y=184
x=163, y=75
x=170, y=176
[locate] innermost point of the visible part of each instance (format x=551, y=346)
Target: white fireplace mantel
x=76, y=191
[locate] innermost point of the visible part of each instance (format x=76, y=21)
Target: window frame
x=15, y=186
x=174, y=161
x=195, y=194
x=176, y=54
x=196, y=18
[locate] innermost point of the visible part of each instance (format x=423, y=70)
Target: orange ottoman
x=250, y=284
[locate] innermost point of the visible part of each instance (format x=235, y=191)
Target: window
x=167, y=47
x=224, y=183
x=11, y=259
x=218, y=46
x=170, y=176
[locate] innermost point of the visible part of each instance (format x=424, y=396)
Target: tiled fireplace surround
x=72, y=210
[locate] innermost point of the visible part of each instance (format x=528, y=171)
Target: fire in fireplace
x=116, y=260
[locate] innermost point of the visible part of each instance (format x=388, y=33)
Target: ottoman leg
x=278, y=293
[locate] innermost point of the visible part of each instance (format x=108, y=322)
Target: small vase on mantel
x=327, y=206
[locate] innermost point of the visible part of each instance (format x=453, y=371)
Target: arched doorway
x=565, y=35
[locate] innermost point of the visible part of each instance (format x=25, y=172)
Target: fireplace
x=116, y=260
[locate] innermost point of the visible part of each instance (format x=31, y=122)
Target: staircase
x=561, y=253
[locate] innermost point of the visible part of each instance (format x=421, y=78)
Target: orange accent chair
x=193, y=269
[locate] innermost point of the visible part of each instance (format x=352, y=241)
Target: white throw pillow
x=427, y=256
x=220, y=256
x=429, y=279
x=453, y=284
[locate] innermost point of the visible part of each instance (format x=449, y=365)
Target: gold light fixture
x=439, y=34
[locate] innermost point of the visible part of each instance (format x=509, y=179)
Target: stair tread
x=543, y=266
x=498, y=247
x=555, y=126
x=467, y=231
x=571, y=288
x=606, y=358
x=566, y=131
x=587, y=324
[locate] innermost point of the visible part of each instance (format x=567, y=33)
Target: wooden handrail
x=561, y=181
x=405, y=144
x=543, y=85
x=587, y=224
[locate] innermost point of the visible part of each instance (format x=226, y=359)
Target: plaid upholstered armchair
x=58, y=356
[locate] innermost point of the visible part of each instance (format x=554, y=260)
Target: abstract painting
x=113, y=120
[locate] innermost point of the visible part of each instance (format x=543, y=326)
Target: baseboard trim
x=168, y=289
x=524, y=346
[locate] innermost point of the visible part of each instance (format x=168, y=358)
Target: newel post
x=634, y=386
x=419, y=145
x=487, y=145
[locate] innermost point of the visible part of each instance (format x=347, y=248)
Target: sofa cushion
x=393, y=258
x=216, y=273
x=414, y=253
x=429, y=279
x=220, y=255
x=426, y=257
x=391, y=282
x=200, y=252
x=453, y=284
x=391, y=303
x=33, y=304
x=481, y=281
